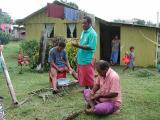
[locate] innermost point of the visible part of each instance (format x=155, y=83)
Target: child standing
x=131, y=63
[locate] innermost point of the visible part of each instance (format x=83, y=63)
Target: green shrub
x=150, y=66
x=4, y=38
x=31, y=48
x=71, y=52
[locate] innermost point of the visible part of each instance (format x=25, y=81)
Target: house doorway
x=107, y=33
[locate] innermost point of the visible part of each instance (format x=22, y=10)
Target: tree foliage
x=71, y=52
x=136, y=21
x=71, y=4
x=5, y=18
x=31, y=48
x=4, y=38
x=139, y=21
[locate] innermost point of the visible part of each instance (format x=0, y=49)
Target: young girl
x=20, y=57
x=131, y=59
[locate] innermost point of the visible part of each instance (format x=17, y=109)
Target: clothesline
x=59, y=11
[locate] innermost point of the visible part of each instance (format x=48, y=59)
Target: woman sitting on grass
x=105, y=97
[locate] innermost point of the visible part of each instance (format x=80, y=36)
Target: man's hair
x=89, y=20
x=62, y=44
x=102, y=65
x=131, y=47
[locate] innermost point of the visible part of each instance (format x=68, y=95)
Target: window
x=50, y=30
x=52, y=33
x=71, y=30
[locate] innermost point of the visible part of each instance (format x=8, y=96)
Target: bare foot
x=88, y=110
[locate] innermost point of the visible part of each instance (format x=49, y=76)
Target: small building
x=145, y=39
x=18, y=32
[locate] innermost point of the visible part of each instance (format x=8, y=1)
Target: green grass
x=141, y=96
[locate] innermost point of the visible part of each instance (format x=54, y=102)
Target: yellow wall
x=144, y=49
x=34, y=25
x=130, y=36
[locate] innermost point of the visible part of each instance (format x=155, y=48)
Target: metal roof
x=20, y=21
x=120, y=24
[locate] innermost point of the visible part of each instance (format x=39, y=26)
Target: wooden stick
x=8, y=80
x=72, y=115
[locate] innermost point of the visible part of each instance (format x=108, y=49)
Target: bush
x=4, y=38
x=31, y=48
x=71, y=52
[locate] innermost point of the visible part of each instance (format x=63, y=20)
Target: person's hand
x=91, y=92
x=75, y=44
x=65, y=69
x=94, y=97
x=70, y=70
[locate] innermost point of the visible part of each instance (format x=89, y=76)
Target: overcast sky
x=105, y=9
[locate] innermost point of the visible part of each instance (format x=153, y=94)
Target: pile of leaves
x=142, y=73
x=46, y=93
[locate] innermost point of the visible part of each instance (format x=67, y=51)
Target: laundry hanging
x=54, y=10
x=3, y=26
x=71, y=14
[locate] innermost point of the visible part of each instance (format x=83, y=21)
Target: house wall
x=34, y=26
x=145, y=51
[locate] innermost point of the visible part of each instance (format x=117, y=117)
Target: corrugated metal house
x=143, y=38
